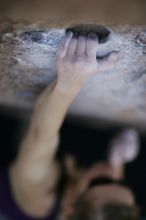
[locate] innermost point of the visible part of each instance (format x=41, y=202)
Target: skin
x=122, y=149
x=32, y=188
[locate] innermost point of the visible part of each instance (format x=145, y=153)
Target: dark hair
x=110, y=211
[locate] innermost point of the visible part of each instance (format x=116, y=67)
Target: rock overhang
x=27, y=53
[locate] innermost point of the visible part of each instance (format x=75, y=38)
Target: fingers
x=72, y=47
x=92, y=45
x=78, y=46
x=108, y=62
x=64, y=45
x=81, y=45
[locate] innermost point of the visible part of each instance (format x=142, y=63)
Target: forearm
x=49, y=112
x=47, y=118
x=41, y=139
x=38, y=148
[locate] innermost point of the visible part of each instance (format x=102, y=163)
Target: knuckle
x=79, y=58
x=62, y=46
x=78, y=64
x=67, y=61
x=90, y=59
x=91, y=55
x=91, y=49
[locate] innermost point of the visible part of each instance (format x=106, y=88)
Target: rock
x=27, y=67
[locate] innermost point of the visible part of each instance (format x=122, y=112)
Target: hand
x=124, y=148
x=76, y=61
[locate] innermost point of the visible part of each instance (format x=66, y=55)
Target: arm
x=34, y=174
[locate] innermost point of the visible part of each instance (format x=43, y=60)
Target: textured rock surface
x=27, y=67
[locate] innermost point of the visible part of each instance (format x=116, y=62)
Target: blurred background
x=86, y=143
x=66, y=12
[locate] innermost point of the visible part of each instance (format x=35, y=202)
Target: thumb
x=108, y=63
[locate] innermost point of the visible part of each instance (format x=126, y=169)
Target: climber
x=29, y=187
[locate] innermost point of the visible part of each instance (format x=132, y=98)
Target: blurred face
x=89, y=185
x=100, y=195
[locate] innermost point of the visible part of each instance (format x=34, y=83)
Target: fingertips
x=61, y=52
x=72, y=47
x=81, y=45
x=67, y=38
x=92, y=36
x=92, y=45
x=65, y=41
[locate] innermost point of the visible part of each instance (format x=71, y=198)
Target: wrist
x=66, y=90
